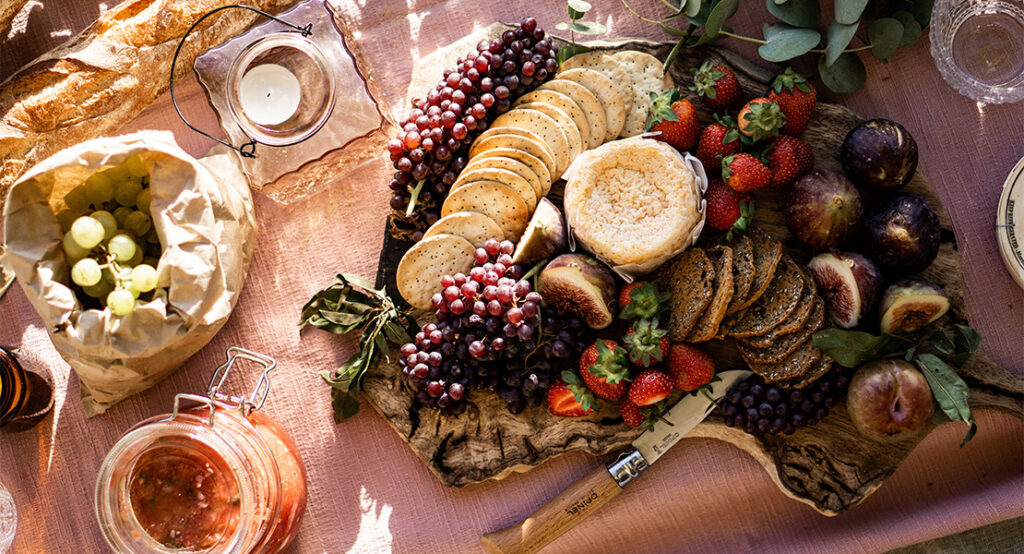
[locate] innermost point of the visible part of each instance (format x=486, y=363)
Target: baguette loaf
x=9, y=9
x=102, y=78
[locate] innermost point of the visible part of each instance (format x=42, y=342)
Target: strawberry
x=716, y=85
x=788, y=159
x=604, y=366
x=676, y=118
x=646, y=343
x=650, y=386
x=718, y=140
x=568, y=398
x=637, y=417
x=745, y=173
x=727, y=209
x=689, y=366
x=641, y=300
x=760, y=119
x=796, y=98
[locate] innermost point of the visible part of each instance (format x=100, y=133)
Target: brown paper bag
x=203, y=214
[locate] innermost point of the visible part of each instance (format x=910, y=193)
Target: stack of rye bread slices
x=751, y=291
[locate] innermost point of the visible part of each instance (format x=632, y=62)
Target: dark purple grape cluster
x=432, y=147
x=492, y=332
x=759, y=408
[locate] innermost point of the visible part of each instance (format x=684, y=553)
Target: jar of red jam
x=215, y=475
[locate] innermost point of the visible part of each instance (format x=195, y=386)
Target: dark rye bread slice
x=773, y=307
x=794, y=367
x=767, y=252
x=707, y=326
x=784, y=345
x=742, y=272
x=689, y=278
x=816, y=372
x=795, y=321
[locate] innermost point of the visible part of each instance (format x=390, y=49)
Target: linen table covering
x=368, y=491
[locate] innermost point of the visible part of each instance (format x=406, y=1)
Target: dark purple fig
x=849, y=283
x=580, y=285
x=823, y=209
x=910, y=304
x=879, y=154
x=544, y=237
x=889, y=400
x=902, y=234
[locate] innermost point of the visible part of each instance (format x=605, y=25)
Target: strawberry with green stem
x=788, y=159
x=646, y=343
x=717, y=141
x=744, y=173
x=728, y=210
x=604, y=367
x=760, y=119
x=796, y=99
x=716, y=85
x=676, y=119
x=641, y=300
x=640, y=417
x=568, y=397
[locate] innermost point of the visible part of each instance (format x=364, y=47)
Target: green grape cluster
x=109, y=241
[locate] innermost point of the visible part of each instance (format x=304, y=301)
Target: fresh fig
x=902, y=234
x=879, y=154
x=910, y=304
x=889, y=400
x=544, y=236
x=823, y=209
x=580, y=285
x=849, y=283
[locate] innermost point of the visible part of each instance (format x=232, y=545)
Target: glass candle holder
x=978, y=47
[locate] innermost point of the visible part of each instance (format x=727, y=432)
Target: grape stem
x=704, y=391
x=414, y=198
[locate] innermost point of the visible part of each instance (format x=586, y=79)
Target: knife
x=585, y=496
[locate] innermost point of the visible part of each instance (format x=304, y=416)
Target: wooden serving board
x=828, y=466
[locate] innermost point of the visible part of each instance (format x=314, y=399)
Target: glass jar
x=26, y=396
x=214, y=476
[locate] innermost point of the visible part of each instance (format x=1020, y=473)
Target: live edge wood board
x=828, y=466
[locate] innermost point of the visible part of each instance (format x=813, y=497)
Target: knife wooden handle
x=561, y=513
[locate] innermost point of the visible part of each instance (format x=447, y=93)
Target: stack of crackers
x=594, y=98
x=753, y=292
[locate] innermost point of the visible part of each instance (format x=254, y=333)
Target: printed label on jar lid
x=1010, y=223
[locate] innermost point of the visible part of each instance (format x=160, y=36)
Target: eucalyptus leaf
x=966, y=339
x=345, y=405
x=836, y=38
x=798, y=13
x=846, y=75
x=941, y=342
x=722, y=11
x=788, y=42
x=885, y=34
x=578, y=8
x=921, y=9
x=949, y=390
x=673, y=31
x=848, y=12
x=779, y=1
x=849, y=348
x=568, y=51
x=588, y=27
x=672, y=55
x=692, y=8
x=562, y=26
x=911, y=28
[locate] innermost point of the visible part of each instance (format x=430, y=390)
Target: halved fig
x=849, y=283
x=544, y=236
x=910, y=304
x=580, y=285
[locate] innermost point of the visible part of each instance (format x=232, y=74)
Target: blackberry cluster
x=432, y=147
x=759, y=408
x=492, y=333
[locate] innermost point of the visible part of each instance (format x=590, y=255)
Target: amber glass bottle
x=25, y=396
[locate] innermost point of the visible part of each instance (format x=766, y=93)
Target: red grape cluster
x=759, y=408
x=432, y=147
x=490, y=334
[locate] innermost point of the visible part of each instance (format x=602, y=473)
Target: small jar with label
x=26, y=393
x=214, y=476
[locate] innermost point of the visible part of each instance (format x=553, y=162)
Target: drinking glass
x=8, y=519
x=978, y=47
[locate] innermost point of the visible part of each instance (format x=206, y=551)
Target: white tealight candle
x=269, y=94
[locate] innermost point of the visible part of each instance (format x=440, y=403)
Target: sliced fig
x=580, y=285
x=910, y=304
x=544, y=236
x=902, y=234
x=849, y=283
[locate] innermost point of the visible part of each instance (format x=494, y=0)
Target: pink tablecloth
x=370, y=493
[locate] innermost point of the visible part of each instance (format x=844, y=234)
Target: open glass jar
x=214, y=476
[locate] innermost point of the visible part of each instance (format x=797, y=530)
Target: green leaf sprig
x=577, y=9
x=350, y=303
x=800, y=31
x=933, y=353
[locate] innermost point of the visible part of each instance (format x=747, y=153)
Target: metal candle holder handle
x=247, y=150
